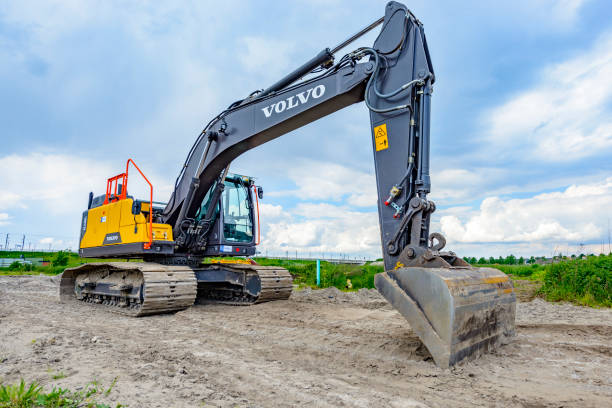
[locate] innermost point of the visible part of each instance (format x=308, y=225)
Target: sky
x=521, y=117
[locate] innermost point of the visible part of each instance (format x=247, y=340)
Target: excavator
x=457, y=311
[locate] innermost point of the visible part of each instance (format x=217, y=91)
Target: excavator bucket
x=457, y=312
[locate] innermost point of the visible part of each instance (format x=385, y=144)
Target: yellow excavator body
x=116, y=224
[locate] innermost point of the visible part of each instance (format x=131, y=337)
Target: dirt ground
x=321, y=348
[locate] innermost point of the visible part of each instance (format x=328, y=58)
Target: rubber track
x=166, y=288
x=276, y=284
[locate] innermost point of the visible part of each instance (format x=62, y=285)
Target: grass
x=533, y=272
x=338, y=275
x=58, y=262
x=22, y=395
x=586, y=282
x=58, y=375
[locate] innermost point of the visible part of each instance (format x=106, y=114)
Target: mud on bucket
x=458, y=313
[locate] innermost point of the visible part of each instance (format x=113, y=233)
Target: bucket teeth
x=458, y=313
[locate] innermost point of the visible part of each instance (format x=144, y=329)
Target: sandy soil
x=321, y=348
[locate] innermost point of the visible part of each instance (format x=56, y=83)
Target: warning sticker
x=380, y=137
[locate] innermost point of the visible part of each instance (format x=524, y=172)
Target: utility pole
x=6, y=241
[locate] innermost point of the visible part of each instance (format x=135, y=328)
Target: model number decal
x=112, y=238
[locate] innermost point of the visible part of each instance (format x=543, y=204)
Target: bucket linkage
x=458, y=311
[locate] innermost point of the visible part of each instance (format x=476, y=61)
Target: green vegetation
x=58, y=375
x=528, y=272
x=26, y=254
x=583, y=281
x=305, y=273
x=57, y=262
x=509, y=260
x=33, y=396
x=61, y=258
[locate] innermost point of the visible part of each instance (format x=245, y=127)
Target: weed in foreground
x=33, y=396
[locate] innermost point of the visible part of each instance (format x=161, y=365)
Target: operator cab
x=235, y=229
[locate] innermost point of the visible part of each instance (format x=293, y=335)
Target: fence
x=6, y=262
x=337, y=260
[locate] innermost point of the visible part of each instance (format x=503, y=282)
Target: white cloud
x=330, y=181
x=321, y=228
x=51, y=182
x=574, y=215
x=9, y=199
x=59, y=184
x=452, y=185
x=270, y=211
x=54, y=243
x=566, y=116
x=563, y=11
x=260, y=55
x=49, y=240
x=46, y=193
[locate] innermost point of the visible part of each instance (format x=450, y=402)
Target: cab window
x=237, y=222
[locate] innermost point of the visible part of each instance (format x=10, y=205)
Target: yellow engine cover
x=114, y=224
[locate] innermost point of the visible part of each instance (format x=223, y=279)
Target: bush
x=522, y=271
x=61, y=258
x=583, y=281
x=20, y=266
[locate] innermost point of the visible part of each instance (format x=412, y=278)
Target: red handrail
x=258, y=224
x=111, y=188
x=111, y=194
x=147, y=245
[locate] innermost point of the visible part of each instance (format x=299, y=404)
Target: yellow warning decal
x=231, y=261
x=380, y=137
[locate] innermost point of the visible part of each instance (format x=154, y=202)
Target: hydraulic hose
x=372, y=83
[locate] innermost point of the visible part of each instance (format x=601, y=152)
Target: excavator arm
x=395, y=79
x=458, y=311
